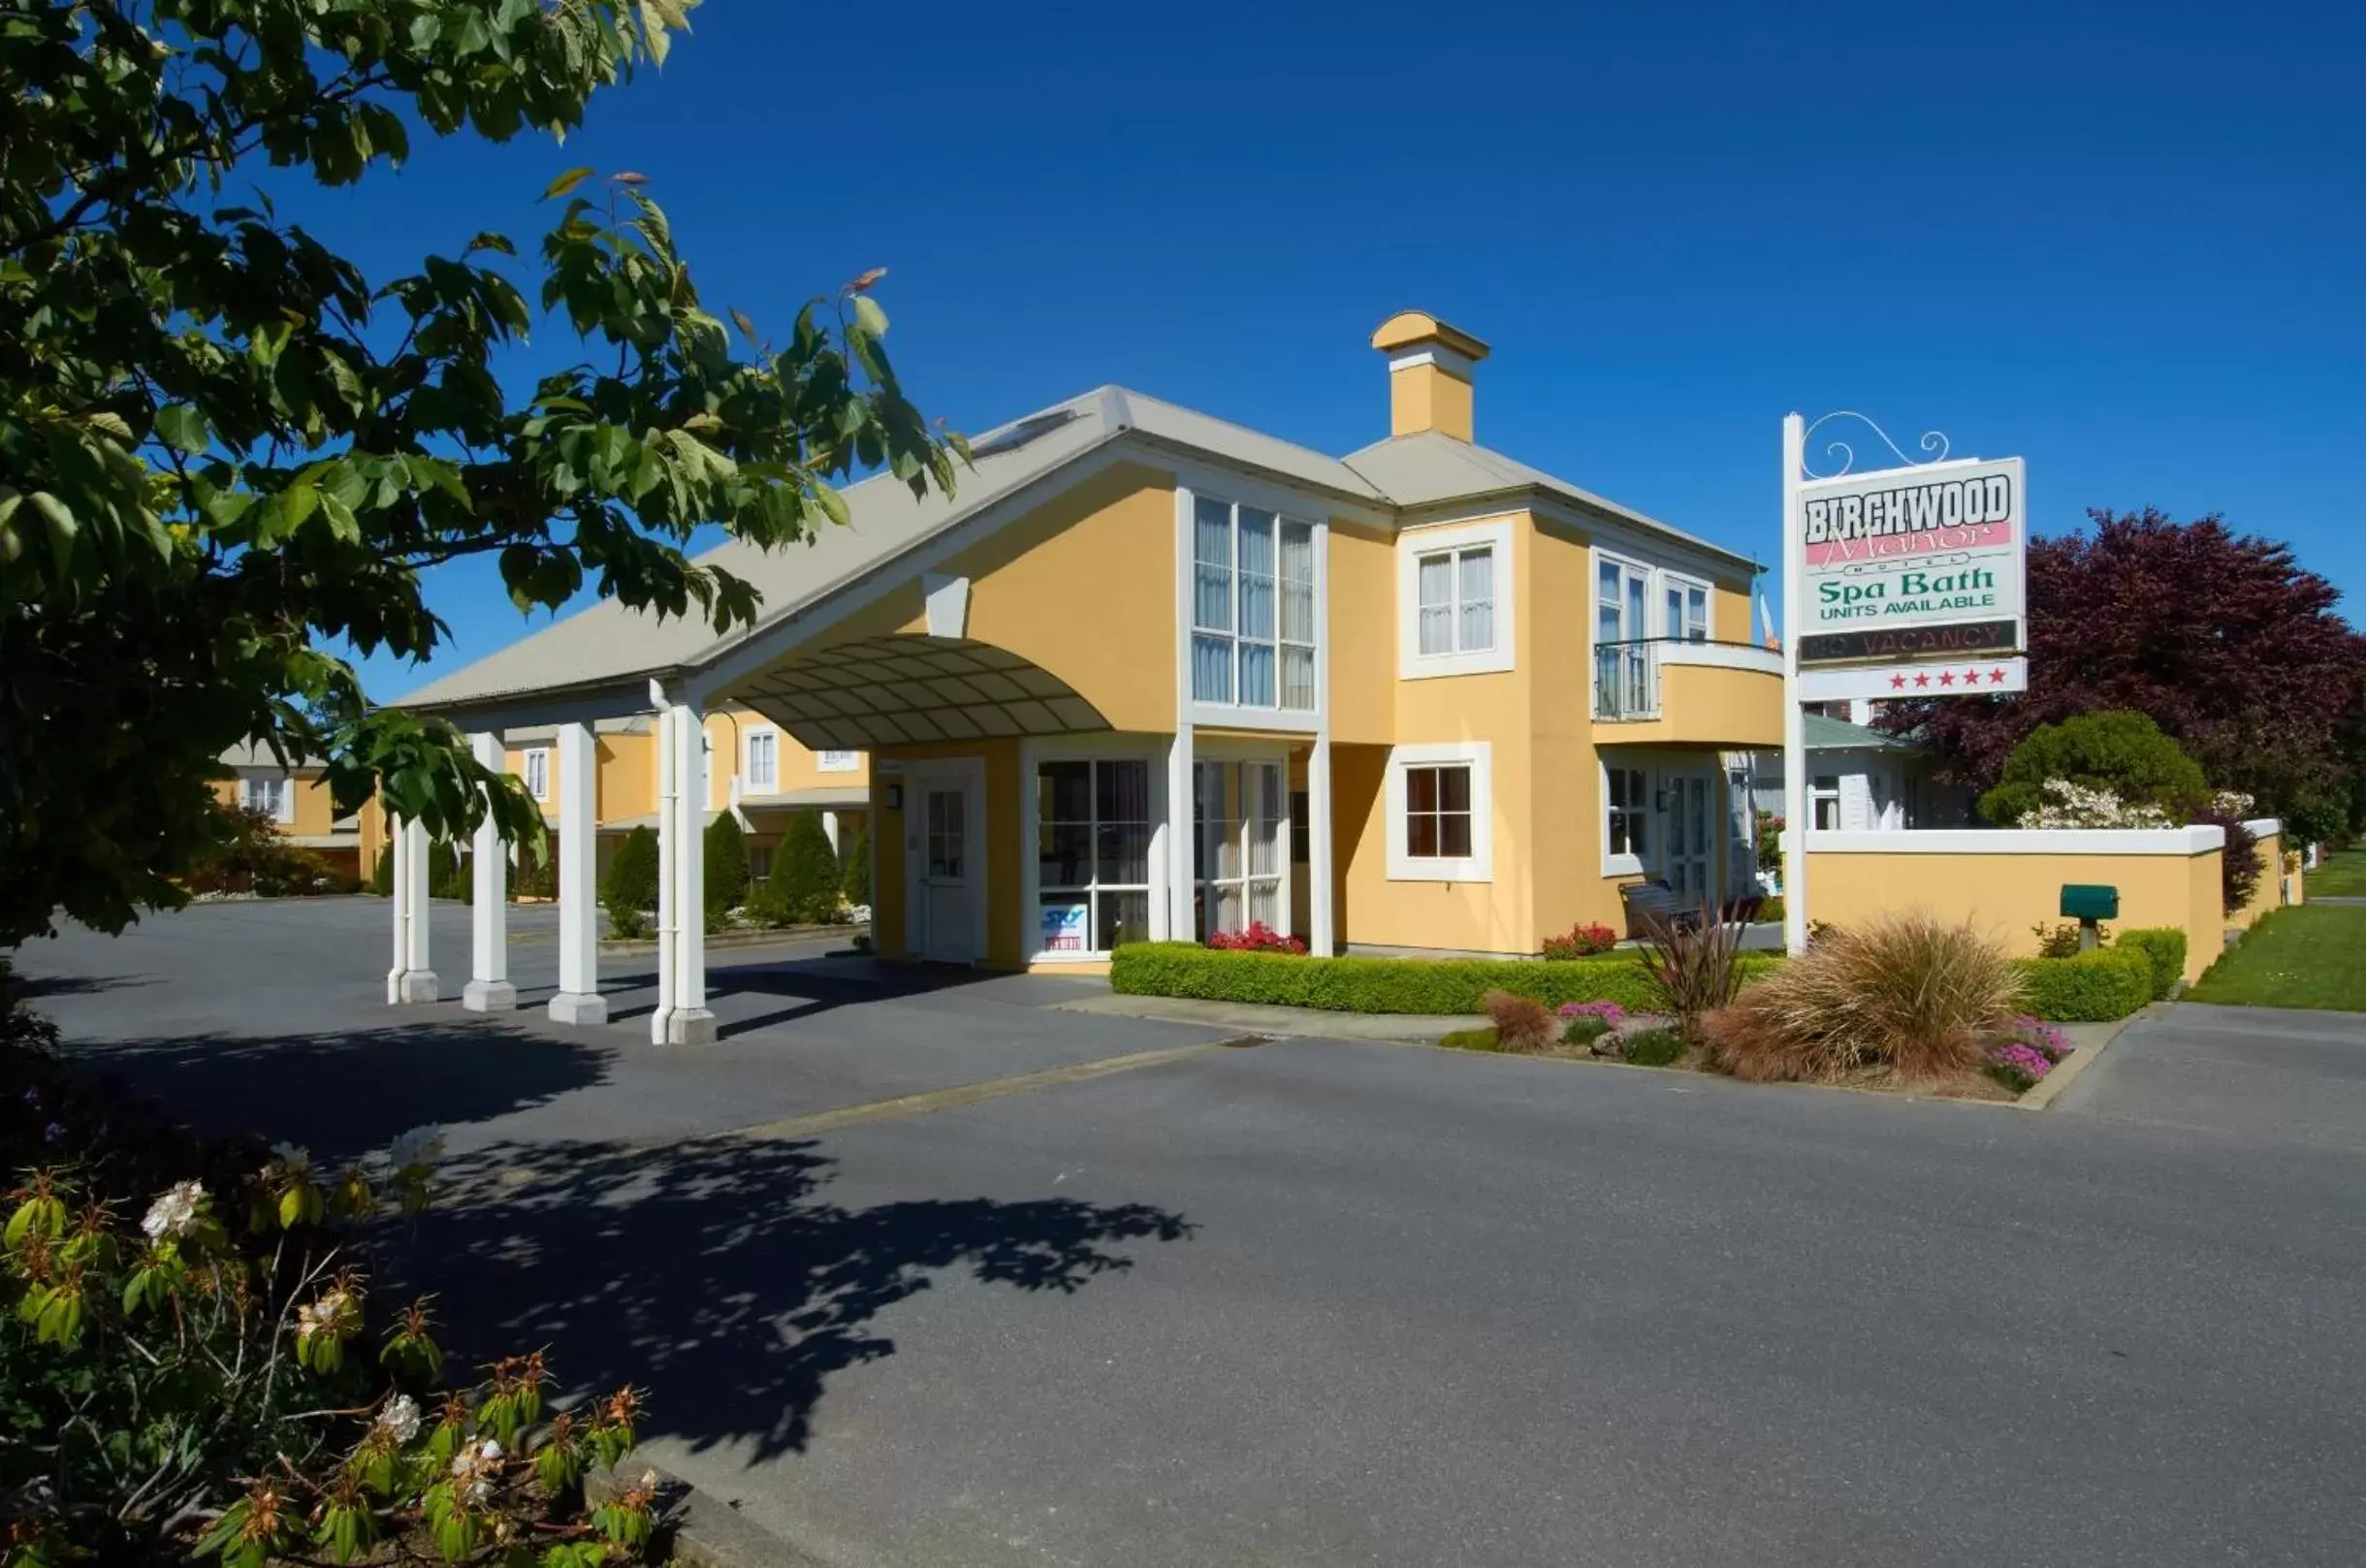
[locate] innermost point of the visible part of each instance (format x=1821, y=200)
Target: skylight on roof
x=1025, y=431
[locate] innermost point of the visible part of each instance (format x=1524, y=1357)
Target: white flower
x=420, y=1147
x=399, y=1418
x=175, y=1214
x=2073, y=805
x=296, y=1161
x=474, y=1470
x=321, y=1316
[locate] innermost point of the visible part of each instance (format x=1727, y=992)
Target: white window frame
x=1479, y=866
x=1154, y=770
x=1206, y=888
x=281, y=792
x=1412, y=547
x=527, y=759
x=1627, y=863
x=838, y=761
x=748, y=750
x=1284, y=520
x=1675, y=580
x=1837, y=794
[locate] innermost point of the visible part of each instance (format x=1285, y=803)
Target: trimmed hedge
x=2092, y=988
x=1422, y=985
x=2166, y=947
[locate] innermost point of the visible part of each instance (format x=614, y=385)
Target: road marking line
x=904, y=1107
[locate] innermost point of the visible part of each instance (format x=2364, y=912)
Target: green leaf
x=869, y=316
x=182, y=427
x=832, y=502
x=568, y=181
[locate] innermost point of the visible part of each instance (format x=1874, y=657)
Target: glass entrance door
x=1689, y=839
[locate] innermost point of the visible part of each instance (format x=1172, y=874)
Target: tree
x=856, y=882
x=223, y=449
x=725, y=872
x=2225, y=640
x=631, y=891
x=2124, y=755
x=805, y=871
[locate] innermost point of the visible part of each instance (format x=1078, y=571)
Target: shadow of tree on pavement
x=715, y=1275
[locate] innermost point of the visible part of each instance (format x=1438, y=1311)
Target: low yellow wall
x=2008, y=894
x=2268, y=892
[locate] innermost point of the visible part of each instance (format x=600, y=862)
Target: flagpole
x=1794, y=717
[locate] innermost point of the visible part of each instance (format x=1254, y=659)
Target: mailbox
x=2086, y=901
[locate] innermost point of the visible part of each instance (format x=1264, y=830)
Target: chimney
x=1429, y=375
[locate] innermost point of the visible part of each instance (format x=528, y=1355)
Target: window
x=1239, y=813
x=764, y=770
x=1686, y=608
x=1458, y=608
x=946, y=834
x=1626, y=804
x=534, y=767
x=275, y=798
x=760, y=862
x=1825, y=811
x=1438, y=813
x=836, y=762
x=1092, y=854
x=1253, y=608
x=1454, y=601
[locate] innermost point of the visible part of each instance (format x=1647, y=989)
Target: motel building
x=1150, y=675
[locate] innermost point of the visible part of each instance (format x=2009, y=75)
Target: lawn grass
x=2342, y=875
x=2302, y=957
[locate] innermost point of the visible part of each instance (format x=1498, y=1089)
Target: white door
x=945, y=851
x=1689, y=839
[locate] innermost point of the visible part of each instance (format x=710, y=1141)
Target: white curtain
x=1478, y=599
x=1437, y=590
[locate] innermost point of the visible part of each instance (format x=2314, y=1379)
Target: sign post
x=1897, y=583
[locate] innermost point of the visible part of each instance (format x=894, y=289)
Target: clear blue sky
x=2126, y=240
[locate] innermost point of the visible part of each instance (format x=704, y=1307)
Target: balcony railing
x=1627, y=673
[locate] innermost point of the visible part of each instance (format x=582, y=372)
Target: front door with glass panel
x=947, y=863
x=1688, y=840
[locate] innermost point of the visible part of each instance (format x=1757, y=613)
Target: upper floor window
x=1253, y=607
x=1457, y=609
x=1685, y=607
x=535, y=770
x=1454, y=601
x=763, y=759
x=275, y=798
x=836, y=762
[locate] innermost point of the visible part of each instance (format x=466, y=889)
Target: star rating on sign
x=1947, y=676
x=1997, y=676
x=1898, y=682
x=1922, y=680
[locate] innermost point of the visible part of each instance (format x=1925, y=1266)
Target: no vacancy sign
x=1891, y=559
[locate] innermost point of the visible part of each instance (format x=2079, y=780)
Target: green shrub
x=2062, y=941
x=448, y=874
x=2095, y=987
x=631, y=891
x=1771, y=910
x=804, y=881
x=1584, y=1030
x=2165, y=947
x=856, y=882
x=2119, y=750
x=725, y=876
x=1419, y=985
x=382, y=875
x=1471, y=1039
x=1654, y=1048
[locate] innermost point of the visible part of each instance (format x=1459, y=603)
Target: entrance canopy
x=888, y=691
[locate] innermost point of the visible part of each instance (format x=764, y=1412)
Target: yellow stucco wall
x=1734, y=619
x=1363, y=634
x=2006, y=895
x=797, y=768
x=1565, y=831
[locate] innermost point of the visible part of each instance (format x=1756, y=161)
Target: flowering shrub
x=2027, y=1052
x=1582, y=941
x=1609, y=1012
x=1259, y=938
x=2072, y=805
x=206, y=1381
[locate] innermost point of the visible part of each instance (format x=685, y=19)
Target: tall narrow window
x=1687, y=611
x=1458, y=610
x=536, y=772
x=1240, y=814
x=763, y=760
x=1092, y=854
x=1824, y=803
x=1626, y=802
x=1253, y=608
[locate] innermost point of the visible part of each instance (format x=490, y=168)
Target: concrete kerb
x=2088, y=1041
x=706, y=1531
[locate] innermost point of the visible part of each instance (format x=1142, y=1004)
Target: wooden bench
x=1652, y=905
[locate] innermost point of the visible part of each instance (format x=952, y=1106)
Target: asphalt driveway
x=1318, y=1303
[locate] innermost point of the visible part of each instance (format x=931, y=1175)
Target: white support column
x=1320, y=941
x=578, y=999
x=415, y=980
x=669, y=847
x=690, y=1023
x=1794, y=717
x=489, y=989
x=398, y=906
x=1181, y=834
